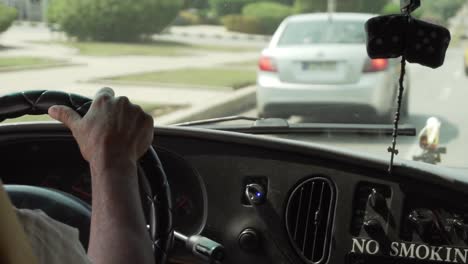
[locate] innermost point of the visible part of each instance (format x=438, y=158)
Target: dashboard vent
x=309, y=219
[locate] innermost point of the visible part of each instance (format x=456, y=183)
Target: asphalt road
x=441, y=93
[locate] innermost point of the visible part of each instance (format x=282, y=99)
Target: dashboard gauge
x=188, y=210
x=183, y=206
x=82, y=187
x=189, y=200
x=49, y=167
x=51, y=181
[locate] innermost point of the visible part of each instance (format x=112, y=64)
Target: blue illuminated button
x=255, y=193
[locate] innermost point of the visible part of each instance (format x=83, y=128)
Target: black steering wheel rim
x=157, y=205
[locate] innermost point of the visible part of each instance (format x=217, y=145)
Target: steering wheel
x=73, y=211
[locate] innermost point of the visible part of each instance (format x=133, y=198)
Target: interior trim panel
x=417, y=215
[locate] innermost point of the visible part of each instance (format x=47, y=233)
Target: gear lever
x=203, y=247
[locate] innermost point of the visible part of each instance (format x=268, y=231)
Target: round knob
x=373, y=228
x=377, y=201
x=422, y=221
x=255, y=193
x=459, y=229
x=249, y=240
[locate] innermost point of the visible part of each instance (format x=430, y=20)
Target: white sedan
x=317, y=65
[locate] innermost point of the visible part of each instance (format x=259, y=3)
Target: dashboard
x=319, y=205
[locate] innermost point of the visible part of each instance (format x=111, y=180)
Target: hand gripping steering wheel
x=72, y=210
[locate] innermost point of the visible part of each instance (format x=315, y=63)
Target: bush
x=391, y=8
x=270, y=15
x=113, y=20
x=267, y=9
x=362, y=6
x=186, y=18
x=228, y=7
x=310, y=6
x=244, y=24
x=7, y=16
x=196, y=17
x=208, y=17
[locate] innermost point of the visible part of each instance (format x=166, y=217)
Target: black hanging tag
x=394, y=36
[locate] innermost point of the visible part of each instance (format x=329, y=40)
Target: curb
x=39, y=67
x=234, y=103
x=221, y=36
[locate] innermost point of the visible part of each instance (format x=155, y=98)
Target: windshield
x=304, y=61
x=323, y=32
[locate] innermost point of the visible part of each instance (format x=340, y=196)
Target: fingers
x=102, y=98
x=64, y=114
x=105, y=92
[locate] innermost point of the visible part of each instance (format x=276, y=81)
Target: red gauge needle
x=182, y=202
x=76, y=189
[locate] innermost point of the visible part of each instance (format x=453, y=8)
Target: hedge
x=258, y=18
x=244, y=24
x=113, y=20
x=7, y=16
x=228, y=7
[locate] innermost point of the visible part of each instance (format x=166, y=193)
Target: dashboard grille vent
x=309, y=219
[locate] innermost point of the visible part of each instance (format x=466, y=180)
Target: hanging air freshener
x=413, y=40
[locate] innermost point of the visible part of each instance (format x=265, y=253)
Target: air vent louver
x=309, y=219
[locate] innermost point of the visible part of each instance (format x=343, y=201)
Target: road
x=442, y=93
x=85, y=74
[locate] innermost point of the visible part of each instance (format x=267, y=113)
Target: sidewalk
x=214, y=32
x=77, y=79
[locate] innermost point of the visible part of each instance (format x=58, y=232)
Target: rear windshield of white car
x=323, y=32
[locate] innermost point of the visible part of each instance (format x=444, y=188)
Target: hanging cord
x=401, y=89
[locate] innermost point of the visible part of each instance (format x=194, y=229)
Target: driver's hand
x=114, y=130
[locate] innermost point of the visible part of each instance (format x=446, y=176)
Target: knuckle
x=148, y=119
x=107, y=90
x=145, y=119
x=138, y=108
x=103, y=98
x=123, y=100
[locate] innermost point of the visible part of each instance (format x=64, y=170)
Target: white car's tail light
x=376, y=65
x=267, y=64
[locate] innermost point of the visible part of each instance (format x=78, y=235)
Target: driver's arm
x=112, y=136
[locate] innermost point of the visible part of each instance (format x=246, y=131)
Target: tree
x=7, y=16
x=113, y=20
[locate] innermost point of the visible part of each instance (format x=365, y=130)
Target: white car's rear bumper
x=374, y=91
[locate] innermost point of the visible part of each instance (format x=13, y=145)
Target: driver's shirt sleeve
x=52, y=241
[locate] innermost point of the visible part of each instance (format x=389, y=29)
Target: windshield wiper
x=217, y=120
x=282, y=126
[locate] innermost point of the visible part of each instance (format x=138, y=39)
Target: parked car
x=317, y=64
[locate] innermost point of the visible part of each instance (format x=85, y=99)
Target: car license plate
x=319, y=66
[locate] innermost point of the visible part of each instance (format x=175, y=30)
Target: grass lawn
x=151, y=108
x=22, y=63
x=243, y=64
x=154, y=48
x=194, y=77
